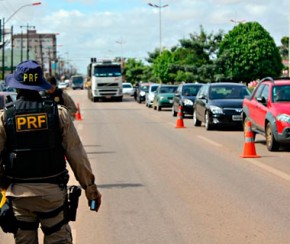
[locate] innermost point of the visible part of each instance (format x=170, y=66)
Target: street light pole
x=160, y=6
x=3, y=33
x=121, y=42
x=23, y=6
x=238, y=21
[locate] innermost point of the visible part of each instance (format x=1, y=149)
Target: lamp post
x=3, y=30
x=23, y=6
x=160, y=6
x=121, y=42
x=238, y=21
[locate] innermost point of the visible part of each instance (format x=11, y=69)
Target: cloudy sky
x=130, y=28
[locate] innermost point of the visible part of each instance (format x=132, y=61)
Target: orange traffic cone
x=78, y=113
x=179, y=121
x=249, y=145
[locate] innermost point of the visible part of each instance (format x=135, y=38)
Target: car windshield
x=154, y=88
x=107, y=71
x=168, y=89
x=127, y=86
x=77, y=80
x=190, y=90
x=281, y=93
x=228, y=92
x=145, y=88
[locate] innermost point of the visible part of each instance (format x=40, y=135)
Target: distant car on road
x=185, y=97
x=149, y=97
x=62, y=84
x=77, y=82
x=128, y=88
x=164, y=97
x=141, y=91
x=219, y=105
x=268, y=109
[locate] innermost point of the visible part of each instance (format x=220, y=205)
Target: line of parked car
x=226, y=104
x=216, y=105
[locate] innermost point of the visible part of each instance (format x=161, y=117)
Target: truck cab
x=105, y=80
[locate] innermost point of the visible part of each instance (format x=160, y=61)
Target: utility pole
x=28, y=27
x=21, y=47
x=3, y=48
x=12, y=50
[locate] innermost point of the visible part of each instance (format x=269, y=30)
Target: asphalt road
x=167, y=185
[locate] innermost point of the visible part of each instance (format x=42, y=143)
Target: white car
x=62, y=85
x=128, y=89
x=150, y=95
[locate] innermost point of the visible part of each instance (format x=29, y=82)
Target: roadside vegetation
x=244, y=54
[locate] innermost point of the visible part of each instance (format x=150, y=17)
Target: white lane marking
x=269, y=169
x=210, y=141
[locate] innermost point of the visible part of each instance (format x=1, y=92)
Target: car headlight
x=283, y=118
x=151, y=96
x=188, y=102
x=142, y=93
x=216, y=110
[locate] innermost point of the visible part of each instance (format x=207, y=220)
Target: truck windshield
x=77, y=80
x=107, y=71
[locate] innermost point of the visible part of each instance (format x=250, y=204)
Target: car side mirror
x=262, y=100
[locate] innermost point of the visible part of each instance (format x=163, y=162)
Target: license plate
x=108, y=97
x=170, y=101
x=237, y=118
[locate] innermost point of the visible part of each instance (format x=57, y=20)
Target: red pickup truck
x=268, y=108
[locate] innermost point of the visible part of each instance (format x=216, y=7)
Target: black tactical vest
x=33, y=150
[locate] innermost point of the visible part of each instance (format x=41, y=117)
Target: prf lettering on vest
x=30, y=77
x=31, y=122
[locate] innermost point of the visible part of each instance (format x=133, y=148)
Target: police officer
x=35, y=137
x=59, y=96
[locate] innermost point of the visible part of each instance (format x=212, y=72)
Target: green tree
x=134, y=70
x=152, y=56
x=194, y=58
x=161, y=67
x=284, y=48
x=248, y=52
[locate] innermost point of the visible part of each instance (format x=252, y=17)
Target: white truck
x=105, y=78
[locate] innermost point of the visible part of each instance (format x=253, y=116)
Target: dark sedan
x=219, y=105
x=185, y=97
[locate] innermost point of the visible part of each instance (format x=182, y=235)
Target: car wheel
x=174, y=113
x=207, y=124
x=271, y=143
x=196, y=122
x=154, y=107
x=158, y=107
x=246, y=129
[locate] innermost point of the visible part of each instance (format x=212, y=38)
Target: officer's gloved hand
x=94, y=197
